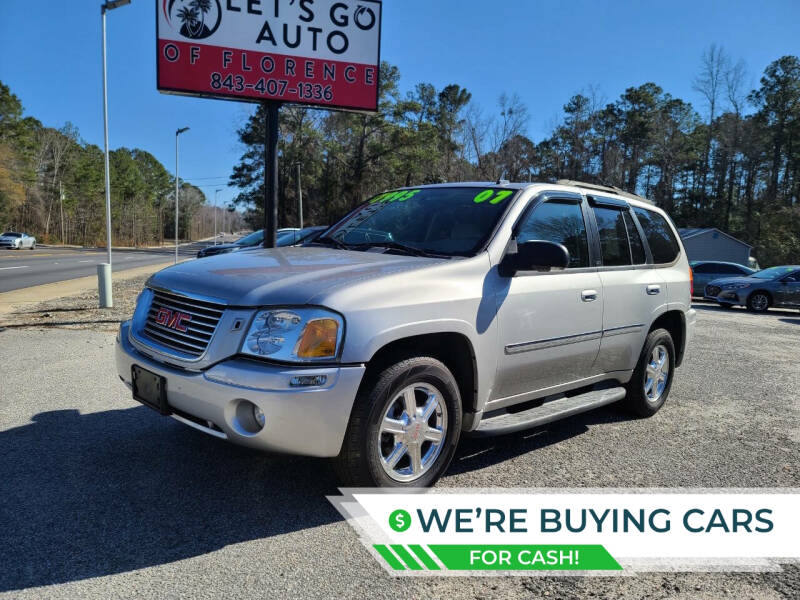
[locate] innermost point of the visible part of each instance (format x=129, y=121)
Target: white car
x=17, y=241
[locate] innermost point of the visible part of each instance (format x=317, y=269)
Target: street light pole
x=216, y=193
x=177, y=133
x=104, y=271
x=299, y=197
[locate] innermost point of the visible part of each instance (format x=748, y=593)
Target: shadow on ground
x=91, y=495
x=88, y=495
x=481, y=452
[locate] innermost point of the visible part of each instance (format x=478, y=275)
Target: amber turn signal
x=318, y=339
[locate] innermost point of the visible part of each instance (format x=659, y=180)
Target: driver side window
x=560, y=222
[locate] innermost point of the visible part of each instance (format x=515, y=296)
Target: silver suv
x=424, y=314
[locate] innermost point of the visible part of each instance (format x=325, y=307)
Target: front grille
x=713, y=290
x=204, y=316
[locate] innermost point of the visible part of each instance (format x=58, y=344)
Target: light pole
x=104, y=270
x=216, y=193
x=177, y=133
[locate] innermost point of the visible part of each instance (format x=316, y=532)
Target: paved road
x=26, y=268
x=103, y=498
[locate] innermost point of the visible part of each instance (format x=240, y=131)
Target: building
x=712, y=244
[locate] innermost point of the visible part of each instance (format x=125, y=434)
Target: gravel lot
x=102, y=498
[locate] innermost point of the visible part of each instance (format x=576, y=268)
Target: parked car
x=17, y=241
x=773, y=287
x=706, y=271
x=426, y=312
x=285, y=237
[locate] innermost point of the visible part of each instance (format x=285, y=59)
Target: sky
x=543, y=51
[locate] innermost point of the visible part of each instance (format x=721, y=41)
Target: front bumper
x=721, y=296
x=309, y=420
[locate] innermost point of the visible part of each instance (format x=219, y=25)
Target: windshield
x=11, y=234
x=453, y=221
x=257, y=237
x=774, y=272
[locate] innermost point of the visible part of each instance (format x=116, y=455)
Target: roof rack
x=604, y=188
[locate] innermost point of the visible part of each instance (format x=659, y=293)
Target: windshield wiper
x=329, y=241
x=412, y=250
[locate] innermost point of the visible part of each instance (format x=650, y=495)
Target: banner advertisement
x=574, y=532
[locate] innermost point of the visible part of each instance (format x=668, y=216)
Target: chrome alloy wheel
x=412, y=432
x=759, y=302
x=656, y=374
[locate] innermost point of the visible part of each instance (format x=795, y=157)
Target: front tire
x=758, y=302
x=404, y=427
x=651, y=382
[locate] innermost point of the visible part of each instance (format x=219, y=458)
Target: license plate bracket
x=150, y=389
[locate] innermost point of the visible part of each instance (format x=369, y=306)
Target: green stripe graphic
x=424, y=556
x=406, y=557
x=389, y=557
x=521, y=557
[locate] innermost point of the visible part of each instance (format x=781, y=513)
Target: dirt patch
x=79, y=311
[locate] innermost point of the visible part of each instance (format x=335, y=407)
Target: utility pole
x=299, y=196
x=61, y=208
x=177, y=133
x=216, y=193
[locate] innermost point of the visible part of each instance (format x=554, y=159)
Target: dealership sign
x=316, y=52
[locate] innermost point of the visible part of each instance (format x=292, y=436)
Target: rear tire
x=758, y=302
x=390, y=444
x=651, y=382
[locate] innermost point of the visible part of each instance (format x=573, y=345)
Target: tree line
x=52, y=185
x=733, y=164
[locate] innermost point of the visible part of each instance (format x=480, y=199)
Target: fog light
x=308, y=380
x=259, y=416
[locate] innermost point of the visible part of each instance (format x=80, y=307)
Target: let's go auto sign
x=317, y=52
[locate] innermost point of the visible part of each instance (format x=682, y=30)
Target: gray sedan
x=706, y=271
x=776, y=286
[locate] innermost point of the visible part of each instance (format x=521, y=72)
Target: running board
x=554, y=410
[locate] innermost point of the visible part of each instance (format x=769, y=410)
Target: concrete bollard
x=104, y=285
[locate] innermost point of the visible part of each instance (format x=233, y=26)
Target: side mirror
x=536, y=255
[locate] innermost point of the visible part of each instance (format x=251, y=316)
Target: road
x=25, y=268
x=101, y=497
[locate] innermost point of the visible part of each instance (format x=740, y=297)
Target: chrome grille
x=204, y=316
x=713, y=290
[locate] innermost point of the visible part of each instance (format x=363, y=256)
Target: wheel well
x=675, y=322
x=453, y=349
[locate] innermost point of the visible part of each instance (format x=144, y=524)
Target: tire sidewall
x=750, y=302
x=655, y=338
x=391, y=382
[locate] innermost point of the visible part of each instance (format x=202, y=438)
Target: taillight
x=691, y=282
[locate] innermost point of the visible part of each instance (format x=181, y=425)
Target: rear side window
x=613, y=236
x=660, y=238
x=637, y=247
x=560, y=222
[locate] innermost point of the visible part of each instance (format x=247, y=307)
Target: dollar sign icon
x=400, y=520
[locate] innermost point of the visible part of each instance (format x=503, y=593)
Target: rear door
x=550, y=322
x=633, y=289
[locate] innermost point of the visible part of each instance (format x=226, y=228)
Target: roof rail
x=604, y=188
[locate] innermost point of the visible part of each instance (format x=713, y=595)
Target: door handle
x=653, y=289
x=589, y=295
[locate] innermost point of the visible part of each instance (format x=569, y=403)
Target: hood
x=291, y=275
x=727, y=280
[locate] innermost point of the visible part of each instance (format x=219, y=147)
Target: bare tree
x=709, y=83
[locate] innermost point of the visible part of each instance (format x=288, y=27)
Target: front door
x=788, y=292
x=550, y=322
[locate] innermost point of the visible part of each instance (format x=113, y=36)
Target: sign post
x=319, y=53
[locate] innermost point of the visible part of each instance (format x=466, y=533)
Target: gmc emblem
x=173, y=319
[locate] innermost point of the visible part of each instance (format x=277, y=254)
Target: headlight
x=735, y=286
x=295, y=334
